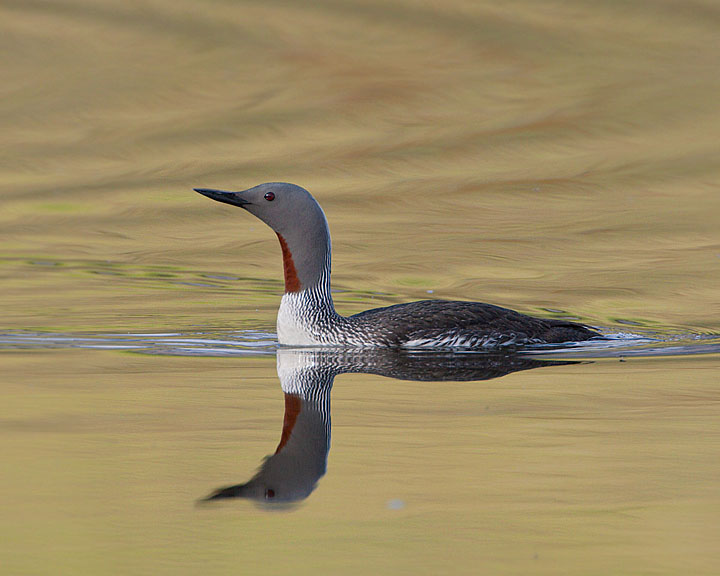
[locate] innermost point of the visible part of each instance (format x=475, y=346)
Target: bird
x=306, y=377
x=307, y=315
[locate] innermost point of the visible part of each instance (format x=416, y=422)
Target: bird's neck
x=307, y=314
x=306, y=265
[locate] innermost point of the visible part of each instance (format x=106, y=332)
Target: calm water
x=561, y=159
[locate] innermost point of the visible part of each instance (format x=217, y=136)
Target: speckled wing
x=441, y=323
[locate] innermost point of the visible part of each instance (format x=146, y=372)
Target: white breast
x=291, y=329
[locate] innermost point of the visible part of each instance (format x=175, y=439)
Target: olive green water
x=556, y=158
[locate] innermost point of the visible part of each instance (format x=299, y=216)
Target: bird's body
x=307, y=316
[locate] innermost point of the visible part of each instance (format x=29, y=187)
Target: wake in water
x=254, y=343
x=233, y=343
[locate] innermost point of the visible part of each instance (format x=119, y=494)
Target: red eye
x=269, y=196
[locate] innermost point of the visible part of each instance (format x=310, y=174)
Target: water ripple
x=257, y=343
x=232, y=343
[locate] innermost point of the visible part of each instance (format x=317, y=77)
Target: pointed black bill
x=234, y=198
x=229, y=492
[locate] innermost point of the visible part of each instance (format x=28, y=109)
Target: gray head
x=297, y=219
x=292, y=473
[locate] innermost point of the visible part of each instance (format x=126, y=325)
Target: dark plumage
x=428, y=319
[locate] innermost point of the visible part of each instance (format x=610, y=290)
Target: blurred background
x=560, y=158
x=547, y=156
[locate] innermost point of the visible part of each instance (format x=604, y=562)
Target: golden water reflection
x=533, y=155
x=551, y=157
x=609, y=463
x=306, y=378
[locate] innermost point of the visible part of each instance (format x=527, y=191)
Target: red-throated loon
x=307, y=316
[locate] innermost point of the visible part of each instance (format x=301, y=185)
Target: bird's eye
x=269, y=493
x=269, y=196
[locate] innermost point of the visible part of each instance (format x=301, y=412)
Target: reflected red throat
x=293, y=407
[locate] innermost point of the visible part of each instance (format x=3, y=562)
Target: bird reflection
x=307, y=375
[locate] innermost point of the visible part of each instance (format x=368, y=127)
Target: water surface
x=560, y=159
